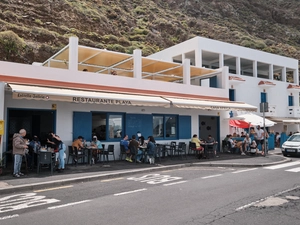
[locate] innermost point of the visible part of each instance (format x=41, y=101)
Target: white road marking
x=179, y=182
x=282, y=165
x=68, y=204
x=263, y=199
x=217, y=175
x=9, y=217
x=52, y=189
x=108, y=180
x=241, y=171
x=295, y=170
x=154, y=178
x=130, y=192
x=22, y=201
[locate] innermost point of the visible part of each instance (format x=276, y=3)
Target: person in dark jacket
x=151, y=149
x=19, y=146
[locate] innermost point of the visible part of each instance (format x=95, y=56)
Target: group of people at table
x=201, y=145
x=259, y=136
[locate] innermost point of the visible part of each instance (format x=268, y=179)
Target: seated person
x=96, y=144
x=211, y=140
x=198, y=143
x=234, y=144
x=253, y=147
x=79, y=146
x=151, y=149
x=134, y=145
x=243, y=134
x=245, y=145
x=125, y=143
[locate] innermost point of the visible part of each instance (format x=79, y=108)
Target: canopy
x=254, y=119
x=239, y=124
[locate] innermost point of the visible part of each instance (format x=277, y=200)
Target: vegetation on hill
x=33, y=30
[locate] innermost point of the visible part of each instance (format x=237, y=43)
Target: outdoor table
x=90, y=153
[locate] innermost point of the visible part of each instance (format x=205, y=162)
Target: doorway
x=35, y=121
x=209, y=125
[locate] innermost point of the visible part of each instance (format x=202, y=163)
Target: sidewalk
x=108, y=170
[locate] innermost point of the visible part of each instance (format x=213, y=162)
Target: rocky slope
x=33, y=30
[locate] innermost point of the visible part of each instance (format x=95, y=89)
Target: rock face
x=44, y=27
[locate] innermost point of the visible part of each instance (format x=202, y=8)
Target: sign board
x=1, y=127
x=264, y=107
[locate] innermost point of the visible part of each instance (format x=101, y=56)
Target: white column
x=296, y=77
x=182, y=57
x=271, y=73
x=221, y=60
x=137, y=63
x=283, y=74
x=187, y=71
x=238, y=65
x=198, y=57
x=2, y=96
x=73, y=53
x=254, y=68
x=222, y=78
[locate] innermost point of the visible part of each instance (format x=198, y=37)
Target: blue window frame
x=165, y=126
x=108, y=126
x=263, y=97
x=291, y=100
x=231, y=95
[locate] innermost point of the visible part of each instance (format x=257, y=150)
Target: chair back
x=111, y=148
x=122, y=149
x=45, y=157
x=180, y=144
x=193, y=145
x=173, y=143
x=103, y=147
x=183, y=147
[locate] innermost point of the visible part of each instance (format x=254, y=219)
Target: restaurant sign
x=73, y=99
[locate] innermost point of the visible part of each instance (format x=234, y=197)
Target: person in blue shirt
x=125, y=143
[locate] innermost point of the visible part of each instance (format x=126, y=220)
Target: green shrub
x=11, y=44
x=116, y=47
x=110, y=38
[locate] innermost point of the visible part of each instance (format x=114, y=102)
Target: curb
x=68, y=181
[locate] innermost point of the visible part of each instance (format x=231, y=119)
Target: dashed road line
x=130, y=192
x=53, y=189
x=108, y=180
x=241, y=171
x=212, y=176
x=9, y=217
x=179, y=182
x=280, y=166
x=68, y=204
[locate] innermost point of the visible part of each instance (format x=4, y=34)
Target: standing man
x=260, y=138
x=19, y=146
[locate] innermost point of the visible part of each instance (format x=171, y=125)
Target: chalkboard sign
x=139, y=122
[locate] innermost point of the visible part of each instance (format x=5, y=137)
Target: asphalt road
x=194, y=195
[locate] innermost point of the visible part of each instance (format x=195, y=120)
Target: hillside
x=33, y=30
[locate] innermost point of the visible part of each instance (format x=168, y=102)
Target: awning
x=254, y=120
x=285, y=120
x=211, y=105
x=239, y=124
x=78, y=96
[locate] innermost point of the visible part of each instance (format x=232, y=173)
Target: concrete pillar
x=283, y=74
x=271, y=73
x=2, y=97
x=198, y=57
x=137, y=63
x=73, y=53
x=254, y=68
x=296, y=77
x=223, y=78
x=187, y=71
x=238, y=65
x=221, y=60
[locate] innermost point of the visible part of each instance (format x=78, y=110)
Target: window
x=263, y=97
x=107, y=126
x=291, y=100
x=231, y=95
x=165, y=126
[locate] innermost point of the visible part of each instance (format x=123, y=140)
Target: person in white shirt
x=245, y=145
x=260, y=138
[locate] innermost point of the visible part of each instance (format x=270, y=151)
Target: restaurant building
x=181, y=91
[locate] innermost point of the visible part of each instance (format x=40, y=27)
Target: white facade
x=250, y=65
x=64, y=71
